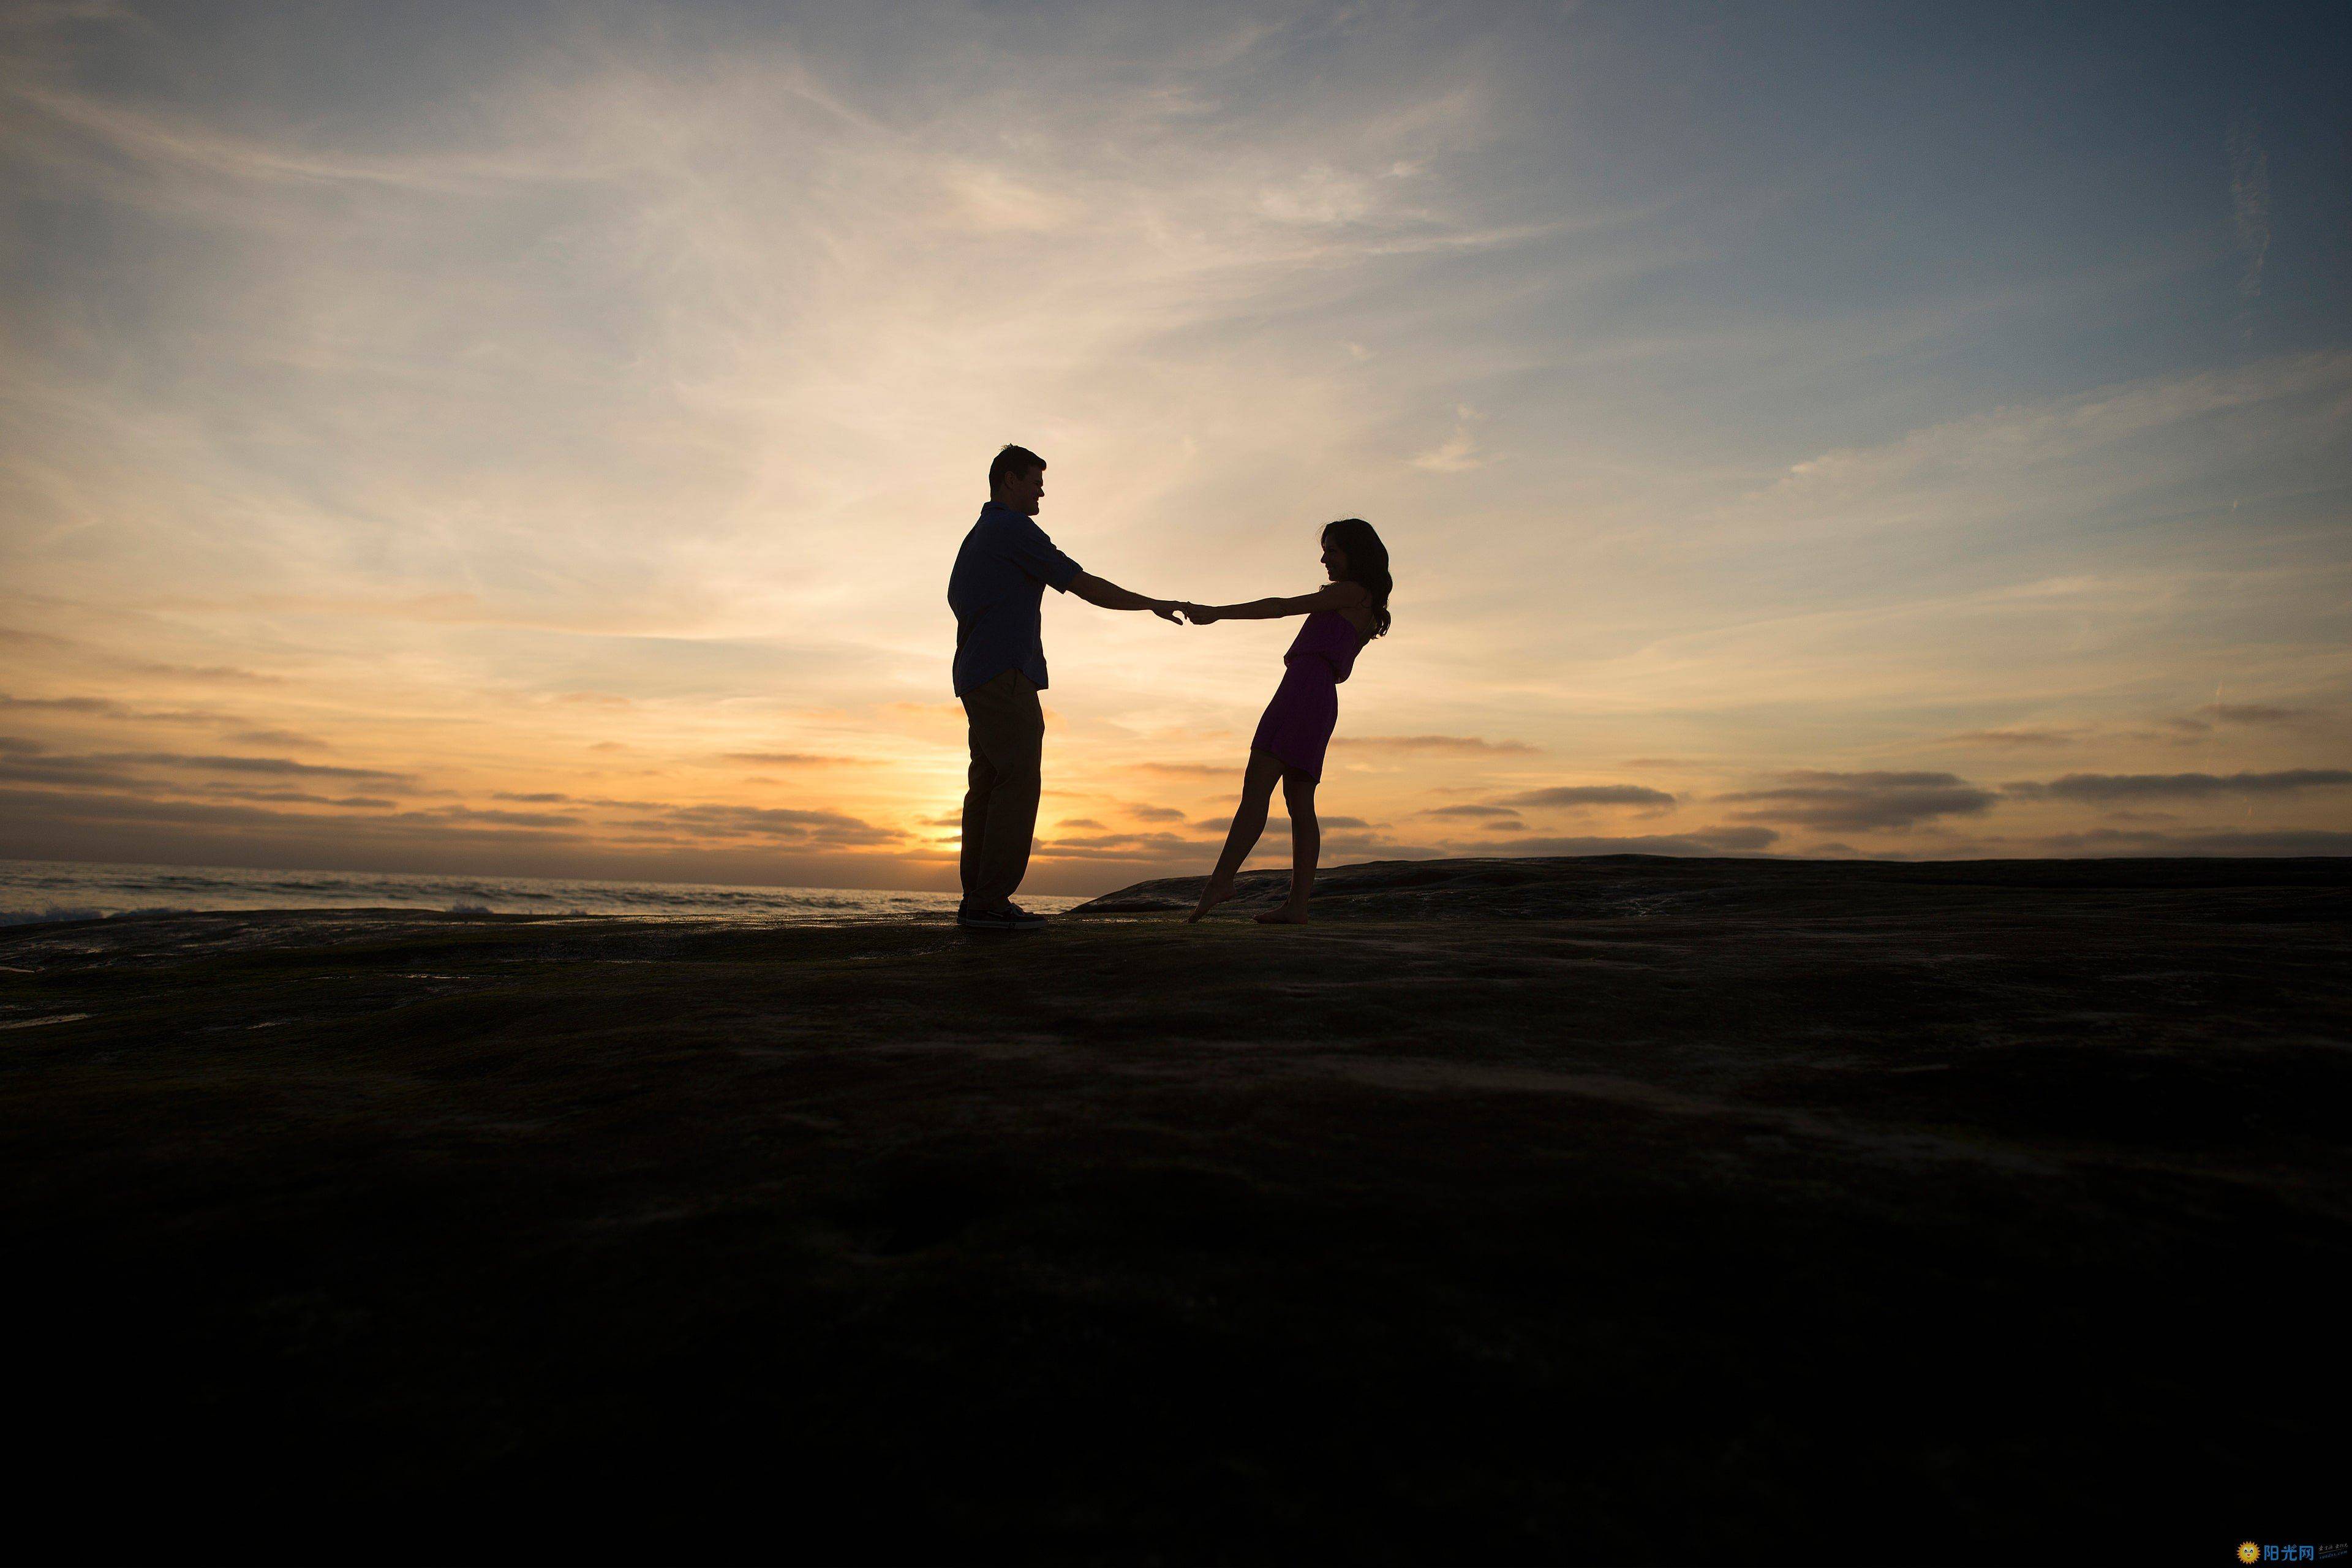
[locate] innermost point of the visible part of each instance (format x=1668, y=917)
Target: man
x=999, y=580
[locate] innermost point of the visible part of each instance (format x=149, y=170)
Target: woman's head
x=1352, y=552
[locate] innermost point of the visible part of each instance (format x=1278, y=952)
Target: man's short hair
x=1009, y=461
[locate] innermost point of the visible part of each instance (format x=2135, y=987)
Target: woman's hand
x=1199, y=615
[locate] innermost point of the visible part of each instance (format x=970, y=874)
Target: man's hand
x=1112, y=597
x=1166, y=610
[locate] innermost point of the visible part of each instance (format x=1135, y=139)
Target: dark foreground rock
x=1622, y=1210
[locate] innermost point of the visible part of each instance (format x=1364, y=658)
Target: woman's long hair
x=1368, y=565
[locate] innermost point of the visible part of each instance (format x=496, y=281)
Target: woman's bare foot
x=1286, y=915
x=1218, y=889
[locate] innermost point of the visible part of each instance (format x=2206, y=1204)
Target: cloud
x=275, y=738
x=2285, y=841
x=491, y=815
x=2213, y=713
x=1467, y=811
x=1711, y=841
x=1156, y=848
x=1736, y=837
x=235, y=765
x=1350, y=846
x=31, y=808
x=1129, y=843
x=2249, y=203
x=1862, y=801
x=1433, y=744
x=2015, y=737
x=20, y=763
x=2080, y=453
x=788, y=824
x=207, y=674
x=1593, y=795
x=92, y=705
x=1458, y=452
x=298, y=797
x=2257, y=714
x=107, y=708
x=1154, y=813
x=2177, y=786
x=782, y=759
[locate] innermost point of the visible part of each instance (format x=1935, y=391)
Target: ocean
x=35, y=890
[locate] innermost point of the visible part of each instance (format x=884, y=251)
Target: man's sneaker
x=1004, y=917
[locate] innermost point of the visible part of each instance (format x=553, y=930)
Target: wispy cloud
x=2178, y=786
x=1593, y=795
x=1433, y=744
x=1720, y=841
x=1948, y=471
x=275, y=738
x=1458, y=452
x=784, y=759
x=1852, y=802
x=2017, y=738
x=2249, y=203
x=239, y=764
x=2218, y=713
x=107, y=708
x=2112, y=841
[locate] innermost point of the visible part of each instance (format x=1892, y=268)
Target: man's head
x=1016, y=481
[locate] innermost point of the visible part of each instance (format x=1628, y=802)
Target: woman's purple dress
x=1297, y=723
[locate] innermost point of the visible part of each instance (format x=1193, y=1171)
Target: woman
x=1342, y=618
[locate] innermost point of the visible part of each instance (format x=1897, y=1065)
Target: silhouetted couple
x=998, y=586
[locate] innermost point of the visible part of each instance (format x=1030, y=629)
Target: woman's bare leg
x=1249, y=821
x=1306, y=848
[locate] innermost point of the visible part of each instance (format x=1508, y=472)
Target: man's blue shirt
x=999, y=580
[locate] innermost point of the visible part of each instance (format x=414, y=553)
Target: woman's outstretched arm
x=1330, y=596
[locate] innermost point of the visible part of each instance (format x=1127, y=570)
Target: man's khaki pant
x=999, y=808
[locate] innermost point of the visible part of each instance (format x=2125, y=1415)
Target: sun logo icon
x=2248, y=1552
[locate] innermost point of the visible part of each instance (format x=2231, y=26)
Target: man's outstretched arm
x=1112, y=597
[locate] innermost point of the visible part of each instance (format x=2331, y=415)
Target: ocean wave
x=54, y=912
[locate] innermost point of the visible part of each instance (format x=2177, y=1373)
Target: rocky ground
x=1618, y=1209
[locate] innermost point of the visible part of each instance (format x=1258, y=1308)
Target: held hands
x=1199, y=614
x=1179, y=611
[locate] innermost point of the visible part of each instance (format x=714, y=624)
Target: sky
x=534, y=439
